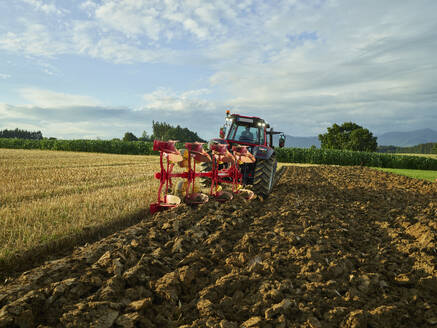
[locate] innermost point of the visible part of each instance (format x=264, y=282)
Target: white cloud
x=193, y=27
x=89, y=5
x=119, y=52
x=78, y=37
x=4, y=76
x=130, y=17
x=35, y=39
x=48, y=8
x=114, y=49
x=159, y=20
x=51, y=99
x=166, y=99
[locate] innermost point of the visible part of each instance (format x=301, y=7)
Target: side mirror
x=282, y=141
x=222, y=132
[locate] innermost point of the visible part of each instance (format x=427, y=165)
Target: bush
x=80, y=145
x=344, y=157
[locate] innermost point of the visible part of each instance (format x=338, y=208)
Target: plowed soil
x=332, y=246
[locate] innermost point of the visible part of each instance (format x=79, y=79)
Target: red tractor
x=255, y=134
x=244, y=155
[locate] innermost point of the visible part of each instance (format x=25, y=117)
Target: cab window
x=246, y=133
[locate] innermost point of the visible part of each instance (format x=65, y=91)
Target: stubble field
x=55, y=200
x=331, y=247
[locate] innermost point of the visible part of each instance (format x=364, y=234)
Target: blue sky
x=89, y=68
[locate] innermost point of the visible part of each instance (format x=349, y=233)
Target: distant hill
x=407, y=139
x=299, y=142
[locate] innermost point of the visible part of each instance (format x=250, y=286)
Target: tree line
x=161, y=131
x=21, y=134
x=165, y=131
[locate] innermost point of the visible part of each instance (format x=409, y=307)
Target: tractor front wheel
x=264, y=176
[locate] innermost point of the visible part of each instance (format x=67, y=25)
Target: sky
x=100, y=68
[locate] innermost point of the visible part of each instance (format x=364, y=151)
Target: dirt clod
x=252, y=322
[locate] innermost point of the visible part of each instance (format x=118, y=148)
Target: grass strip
x=416, y=174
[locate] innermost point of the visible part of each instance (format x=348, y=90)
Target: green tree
x=21, y=134
x=164, y=131
x=129, y=136
x=434, y=149
x=348, y=136
x=144, y=137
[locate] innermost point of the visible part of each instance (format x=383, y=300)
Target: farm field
x=51, y=200
x=331, y=247
x=420, y=155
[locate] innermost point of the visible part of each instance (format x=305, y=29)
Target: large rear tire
x=264, y=177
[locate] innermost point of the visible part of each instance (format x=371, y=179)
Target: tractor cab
x=248, y=130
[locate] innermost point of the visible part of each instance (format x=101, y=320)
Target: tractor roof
x=243, y=117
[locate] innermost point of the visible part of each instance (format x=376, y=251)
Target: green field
x=417, y=174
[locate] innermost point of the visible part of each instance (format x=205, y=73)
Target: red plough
x=196, y=154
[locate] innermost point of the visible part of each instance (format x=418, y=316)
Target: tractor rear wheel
x=264, y=176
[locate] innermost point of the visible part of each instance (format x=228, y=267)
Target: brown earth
x=332, y=246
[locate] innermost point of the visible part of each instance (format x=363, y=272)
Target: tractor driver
x=246, y=135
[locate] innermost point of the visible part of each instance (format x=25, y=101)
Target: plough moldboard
x=225, y=168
